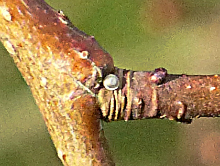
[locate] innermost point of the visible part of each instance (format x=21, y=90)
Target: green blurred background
x=181, y=35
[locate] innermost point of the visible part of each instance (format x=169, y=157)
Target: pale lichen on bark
x=40, y=42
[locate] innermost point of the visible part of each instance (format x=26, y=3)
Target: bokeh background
x=181, y=35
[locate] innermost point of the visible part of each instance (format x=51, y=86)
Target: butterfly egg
x=111, y=82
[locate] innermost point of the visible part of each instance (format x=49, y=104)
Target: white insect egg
x=111, y=82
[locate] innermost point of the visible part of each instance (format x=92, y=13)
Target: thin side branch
x=156, y=94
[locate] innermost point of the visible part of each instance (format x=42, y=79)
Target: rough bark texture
x=156, y=94
x=52, y=56
x=63, y=67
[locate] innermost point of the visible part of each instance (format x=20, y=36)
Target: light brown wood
x=41, y=43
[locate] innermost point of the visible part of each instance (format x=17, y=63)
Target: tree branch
x=52, y=55
x=156, y=94
x=66, y=71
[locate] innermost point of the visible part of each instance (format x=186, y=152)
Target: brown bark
x=52, y=56
x=63, y=67
x=156, y=94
